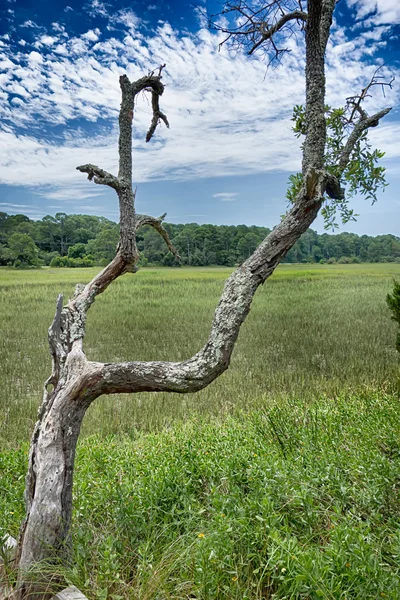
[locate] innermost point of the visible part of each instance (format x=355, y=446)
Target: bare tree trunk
x=70, y=389
x=75, y=382
x=48, y=492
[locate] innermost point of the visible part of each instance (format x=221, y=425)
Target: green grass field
x=312, y=330
x=280, y=480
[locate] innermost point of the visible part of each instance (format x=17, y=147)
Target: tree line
x=85, y=240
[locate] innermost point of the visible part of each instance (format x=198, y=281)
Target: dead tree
x=75, y=382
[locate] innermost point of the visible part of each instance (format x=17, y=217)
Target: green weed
x=212, y=510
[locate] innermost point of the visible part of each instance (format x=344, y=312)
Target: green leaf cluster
x=363, y=175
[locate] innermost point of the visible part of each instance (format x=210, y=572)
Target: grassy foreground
x=280, y=480
x=295, y=501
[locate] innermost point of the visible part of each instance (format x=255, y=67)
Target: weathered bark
x=75, y=382
x=72, y=385
x=70, y=593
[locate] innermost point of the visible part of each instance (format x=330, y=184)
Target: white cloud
x=97, y=8
x=10, y=205
x=127, y=18
x=34, y=58
x=226, y=196
x=46, y=40
x=61, y=49
x=57, y=27
x=228, y=115
x=33, y=212
x=92, y=35
x=93, y=208
x=382, y=11
x=30, y=23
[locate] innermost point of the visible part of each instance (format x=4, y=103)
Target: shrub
x=66, y=261
x=393, y=302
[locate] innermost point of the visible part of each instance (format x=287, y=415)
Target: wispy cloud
x=29, y=23
x=226, y=196
x=95, y=7
x=228, y=115
x=33, y=212
x=11, y=205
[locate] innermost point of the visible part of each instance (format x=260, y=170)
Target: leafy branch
x=361, y=174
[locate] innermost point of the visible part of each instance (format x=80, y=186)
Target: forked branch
x=254, y=26
x=364, y=123
x=158, y=115
x=267, y=31
x=127, y=254
x=157, y=224
x=356, y=101
x=99, y=176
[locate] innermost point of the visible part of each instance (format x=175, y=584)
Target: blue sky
x=228, y=154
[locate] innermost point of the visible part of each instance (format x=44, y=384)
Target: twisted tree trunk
x=75, y=382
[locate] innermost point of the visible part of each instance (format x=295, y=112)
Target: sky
x=229, y=151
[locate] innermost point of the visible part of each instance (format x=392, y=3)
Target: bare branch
x=100, y=176
x=268, y=32
x=355, y=101
x=142, y=220
x=157, y=115
x=258, y=26
x=126, y=253
x=362, y=125
x=150, y=81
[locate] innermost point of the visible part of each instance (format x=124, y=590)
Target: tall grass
x=295, y=501
x=312, y=330
x=278, y=481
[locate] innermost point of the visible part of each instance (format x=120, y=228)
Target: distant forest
x=84, y=241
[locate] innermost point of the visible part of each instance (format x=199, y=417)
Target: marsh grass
x=312, y=330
